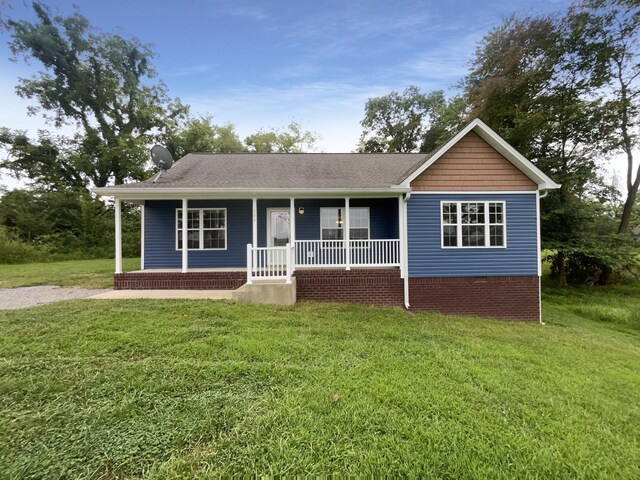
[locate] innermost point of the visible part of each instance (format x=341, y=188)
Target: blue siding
x=160, y=228
x=383, y=216
x=428, y=259
x=160, y=235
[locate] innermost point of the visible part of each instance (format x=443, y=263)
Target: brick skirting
x=369, y=286
x=513, y=298
x=179, y=281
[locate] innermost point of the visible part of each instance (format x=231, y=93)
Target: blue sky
x=262, y=64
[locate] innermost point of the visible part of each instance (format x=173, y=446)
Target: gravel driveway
x=24, y=297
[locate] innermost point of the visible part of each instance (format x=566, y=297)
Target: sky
x=263, y=64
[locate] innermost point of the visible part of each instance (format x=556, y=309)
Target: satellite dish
x=161, y=157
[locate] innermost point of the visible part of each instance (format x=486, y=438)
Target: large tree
x=409, y=121
x=607, y=48
x=525, y=84
x=101, y=82
x=292, y=139
x=202, y=135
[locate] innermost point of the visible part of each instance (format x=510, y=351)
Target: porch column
x=292, y=226
x=185, y=247
x=347, y=251
x=254, y=220
x=142, y=236
x=118, y=205
x=401, y=234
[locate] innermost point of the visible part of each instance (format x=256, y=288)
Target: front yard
x=99, y=389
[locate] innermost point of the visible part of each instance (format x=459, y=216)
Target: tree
x=609, y=49
x=292, y=140
x=524, y=83
x=202, y=135
x=50, y=162
x=409, y=121
x=98, y=81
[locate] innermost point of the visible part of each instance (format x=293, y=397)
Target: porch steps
x=268, y=292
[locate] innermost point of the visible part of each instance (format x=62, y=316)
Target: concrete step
x=269, y=292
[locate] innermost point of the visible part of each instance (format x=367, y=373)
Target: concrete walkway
x=167, y=294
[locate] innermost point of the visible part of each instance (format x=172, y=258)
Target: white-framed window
x=206, y=228
x=473, y=224
x=332, y=223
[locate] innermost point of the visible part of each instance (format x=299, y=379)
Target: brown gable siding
x=474, y=165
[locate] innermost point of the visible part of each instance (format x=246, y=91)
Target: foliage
x=98, y=81
x=202, y=135
x=14, y=250
x=201, y=389
x=608, y=50
x=67, y=222
x=408, y=121
x=291, y=140
x=526, y=83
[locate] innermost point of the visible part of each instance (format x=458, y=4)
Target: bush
x=13, y=250
x=606, y=261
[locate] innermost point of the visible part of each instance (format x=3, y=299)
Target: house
x=455, y=231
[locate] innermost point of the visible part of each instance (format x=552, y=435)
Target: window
x=473, y=224
x=332, y=223
x=206, y=228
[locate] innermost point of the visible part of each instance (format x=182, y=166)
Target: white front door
x=278, y=233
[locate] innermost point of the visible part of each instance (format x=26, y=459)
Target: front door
x=278, y=233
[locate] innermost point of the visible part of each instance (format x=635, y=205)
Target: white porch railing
x=278, y=263
x=269, y=263
x=361, y=253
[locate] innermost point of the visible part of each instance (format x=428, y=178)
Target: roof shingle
x=286, y=170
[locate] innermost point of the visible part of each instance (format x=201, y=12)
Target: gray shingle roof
x=287, y=170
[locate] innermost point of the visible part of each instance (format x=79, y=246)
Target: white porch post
x=347, y=251
x=405, y=249
x=292, y=226
x=185, y=247
x=401, y=234
x=142, y=236
x=254, y=227
x=118, y=235
x=254, y=220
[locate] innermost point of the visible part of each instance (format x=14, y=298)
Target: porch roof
x=255, y=172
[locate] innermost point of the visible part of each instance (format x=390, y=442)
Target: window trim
x=487, y=225
x=368, y=209
x=201, y=228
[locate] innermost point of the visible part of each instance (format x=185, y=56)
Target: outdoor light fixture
x=301, y=210
x=339, y=222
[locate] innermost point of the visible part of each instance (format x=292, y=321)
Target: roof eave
x=171, y=193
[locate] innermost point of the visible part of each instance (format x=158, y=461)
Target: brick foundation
x=369, y=286
x=512, y=298
x=179, y=281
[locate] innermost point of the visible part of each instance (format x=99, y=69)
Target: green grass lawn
x=166, y=389
x=83, y=273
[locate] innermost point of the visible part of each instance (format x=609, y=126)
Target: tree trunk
x=562, y=272
x=628, y=205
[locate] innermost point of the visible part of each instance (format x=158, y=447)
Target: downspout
x=405, y=250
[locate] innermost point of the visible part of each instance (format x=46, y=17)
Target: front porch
x=266, y=238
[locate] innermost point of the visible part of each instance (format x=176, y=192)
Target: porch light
x=301, y=210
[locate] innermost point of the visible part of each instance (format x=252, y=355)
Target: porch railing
x=361, y=253
x=269, y=263
x=278, y=263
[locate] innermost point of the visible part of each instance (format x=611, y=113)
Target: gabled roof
x=257, y=173
x=499, y=144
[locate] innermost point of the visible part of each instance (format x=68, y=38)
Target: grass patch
x=82, y=273
x=193, y=389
